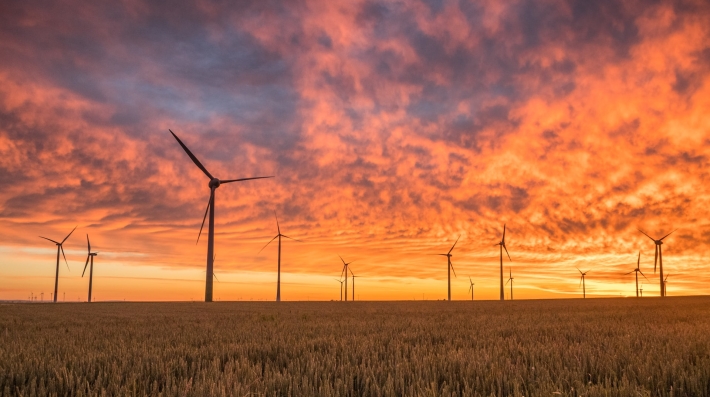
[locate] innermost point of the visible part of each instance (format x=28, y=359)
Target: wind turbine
x=89, y=257
x=510, y=280
x=341, y=288
x=345, y=272
x=213, y=185
x=278, y=277
x=665, y=280
x=637, y=271
x=503, y=247
x=353, y=276
x=60, y=247
x=642, y=289
x=582, y=282
x=450, y=266
x=659, y=257
x=470, y=289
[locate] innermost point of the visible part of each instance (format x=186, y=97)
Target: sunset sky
x=392, y=128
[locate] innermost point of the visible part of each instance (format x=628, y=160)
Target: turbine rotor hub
x=659, y=242
x=214, y=183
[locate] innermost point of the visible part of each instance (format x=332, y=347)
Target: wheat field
x=593, y=347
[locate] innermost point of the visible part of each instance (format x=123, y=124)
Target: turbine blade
x=65, y=238
x=342, y=271
x=506, y=251
x=215, y=277
x=452, y=268
x=341, y=258
x=452, y=247
x=626, y=274
x=638, y=262
x=88, y=244
x=278, y=228
x=661, y=239
x=580, y=282
x=85, y=265
x=291, y=238
x=506, y=283
x=503, y=240
x=61, y=248
x=244, y=179
x=655, y=261
x=204, y=218
x=580, y=272
x=644, y=276
x=192, y=156
x=666, y=277
x=262, y=248
x=646, y=234
x=49, y=239
x=469, y=288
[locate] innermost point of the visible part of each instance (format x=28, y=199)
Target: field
x=594, y=347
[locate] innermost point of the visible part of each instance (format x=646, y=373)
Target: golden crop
x=595, y=347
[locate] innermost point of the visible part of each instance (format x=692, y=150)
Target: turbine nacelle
x=214, y=183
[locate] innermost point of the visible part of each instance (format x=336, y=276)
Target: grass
x=595, y=347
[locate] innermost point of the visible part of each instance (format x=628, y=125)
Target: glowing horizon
x=392, y=129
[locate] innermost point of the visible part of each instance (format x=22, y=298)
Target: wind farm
x=377, y=137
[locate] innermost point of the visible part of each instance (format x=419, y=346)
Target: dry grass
x=625, y=347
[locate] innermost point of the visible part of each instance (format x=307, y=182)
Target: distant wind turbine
x=641, y=289
x=60, y=248
x=665, y=281
x=278, y=277
x=637, y=271
x=659, y=256
x=89, y=257
x=510, y=280
x=450, y=266
x=341, y=288
x=582, y=282
x=345, y=272
x=470, y=289
x=213, y=185
x=503, y=247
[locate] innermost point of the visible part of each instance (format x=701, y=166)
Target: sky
x=392, y=129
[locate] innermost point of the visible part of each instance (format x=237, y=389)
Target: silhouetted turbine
x=659, y=256
x=510, y=280
x=450, y=266
x=341, y=288
x=353, y=276
x=503, y=247
x=345, y=272
x=665, y=281
x=637, y=271
x=60, y=248
x=213, y=185
x=582, y=282
x=470, y=289
x=89, y=257
x=278, y=277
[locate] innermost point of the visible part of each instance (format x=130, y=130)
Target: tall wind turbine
x=213, y=185
x=89, y=257
x=637, y=271
x=278, y=277
x=503, y=247
x=450, y=266
x=510, y=280
x=345, y=272
x=341, y=288
x=582, y=282
x=659, y=256
x=60, y=248
x=470, y=289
